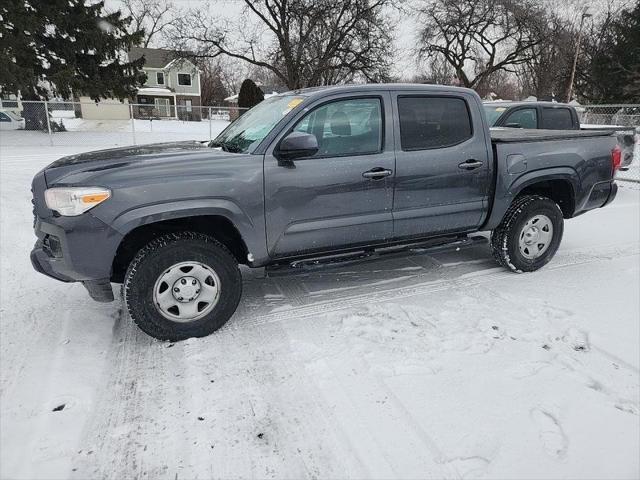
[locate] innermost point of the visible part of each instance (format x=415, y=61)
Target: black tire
x=505, y=238
x=161, y=254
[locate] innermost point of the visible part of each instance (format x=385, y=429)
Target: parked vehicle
x=557, y=116
x=313, y=173
x=10, y=121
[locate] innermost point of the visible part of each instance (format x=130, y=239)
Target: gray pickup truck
x=555, y=116
x=314, y=173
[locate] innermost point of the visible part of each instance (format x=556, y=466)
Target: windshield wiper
x=227, y=147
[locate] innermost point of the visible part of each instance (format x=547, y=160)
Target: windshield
x=247, y=132
x=12, y=115
x=493, y=113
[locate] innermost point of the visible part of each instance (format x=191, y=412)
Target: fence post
x=46, y=114
x=210, y=124
x=133, y=124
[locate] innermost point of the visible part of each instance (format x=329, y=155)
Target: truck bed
x=511, y=135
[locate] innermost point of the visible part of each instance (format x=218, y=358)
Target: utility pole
x=575, y=58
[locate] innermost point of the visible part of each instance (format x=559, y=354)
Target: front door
x=162, y=106
x=442, y=164
x=341, y=196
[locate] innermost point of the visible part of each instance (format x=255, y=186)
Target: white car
x=10, y=121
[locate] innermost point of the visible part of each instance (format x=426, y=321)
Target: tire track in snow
x=121, y=421
x=565, y=260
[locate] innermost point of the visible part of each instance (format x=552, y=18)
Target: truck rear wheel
x=182, y=285
x=529, y=234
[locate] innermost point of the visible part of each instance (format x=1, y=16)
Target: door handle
x=470, y=164
x=377, y=173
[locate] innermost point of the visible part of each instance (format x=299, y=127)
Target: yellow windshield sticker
x=294, y=103
x=501, y=109
x=291, y=105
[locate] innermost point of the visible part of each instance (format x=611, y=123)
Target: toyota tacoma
x=313, y=173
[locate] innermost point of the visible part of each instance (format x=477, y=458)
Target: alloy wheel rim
x=186, y=291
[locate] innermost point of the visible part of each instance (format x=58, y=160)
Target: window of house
x=522, y=118
x=433, y=122
x=345, y=127
x=184, y=79
x=160, y=78
x=557, y=119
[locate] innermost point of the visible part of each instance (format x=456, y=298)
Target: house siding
x=194, y=89
x=171, y=79
x=151, y=78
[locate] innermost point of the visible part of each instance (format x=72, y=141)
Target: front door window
x=345, y=127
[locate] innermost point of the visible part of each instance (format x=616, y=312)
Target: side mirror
x=297, y=145
x=513, y=125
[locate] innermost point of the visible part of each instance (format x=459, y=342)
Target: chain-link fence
x=624, y=120
x=107, y=124
x=110, y=124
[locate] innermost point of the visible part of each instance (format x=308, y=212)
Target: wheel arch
x=559, y=184
x=140, y=232
x=560, y=190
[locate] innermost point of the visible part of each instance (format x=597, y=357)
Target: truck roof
x=509, y=103
x=409, y=87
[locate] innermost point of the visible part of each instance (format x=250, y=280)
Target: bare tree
x=436, y=71
x=501, y=84
x=212, y=88
x=546, y=70
x=478, y=37
x=152, y=16
x=302, y=42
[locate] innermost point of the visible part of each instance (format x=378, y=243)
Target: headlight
x=73, y=201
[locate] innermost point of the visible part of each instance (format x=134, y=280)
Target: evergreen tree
x=250, y=94
x=610, y=70
x=62, y=47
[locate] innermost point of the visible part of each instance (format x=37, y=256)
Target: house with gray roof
x=172, y=88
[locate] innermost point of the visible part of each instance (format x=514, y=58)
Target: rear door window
x=433, y=122
x=557, y=118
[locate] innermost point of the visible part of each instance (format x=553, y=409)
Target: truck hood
x=81, y=167
x=139, y=152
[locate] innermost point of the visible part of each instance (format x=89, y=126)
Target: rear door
x=442, y=164
x=341, y=196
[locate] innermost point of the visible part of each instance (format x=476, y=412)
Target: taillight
x=616, y=158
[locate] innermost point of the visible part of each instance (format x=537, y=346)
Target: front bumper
x=76, y=249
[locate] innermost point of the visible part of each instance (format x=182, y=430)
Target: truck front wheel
x=529, y=234
x=182, y=285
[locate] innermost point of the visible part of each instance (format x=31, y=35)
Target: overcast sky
x=405, y=34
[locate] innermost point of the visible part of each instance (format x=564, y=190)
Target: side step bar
x=350, y=258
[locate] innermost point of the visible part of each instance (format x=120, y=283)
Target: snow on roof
x=154, y=91
x=157, y=57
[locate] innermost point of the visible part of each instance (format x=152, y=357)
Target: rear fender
x=508, y=188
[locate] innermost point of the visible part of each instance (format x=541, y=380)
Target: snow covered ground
x=426, y=366
x=94, y=134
